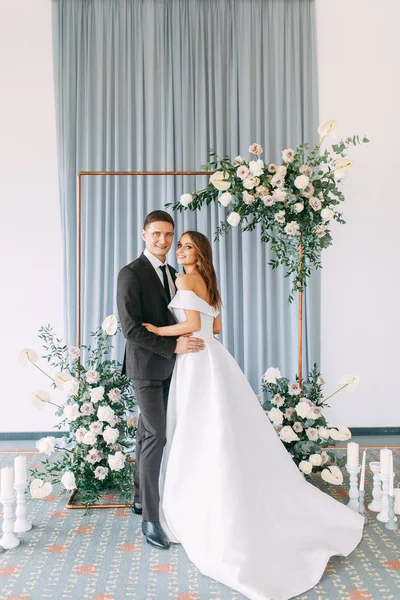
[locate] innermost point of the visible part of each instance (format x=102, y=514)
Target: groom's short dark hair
x=158, y=215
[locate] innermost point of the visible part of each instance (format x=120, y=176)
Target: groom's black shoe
x=137, y=508
x=155, y=535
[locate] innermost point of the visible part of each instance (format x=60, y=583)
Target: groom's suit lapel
x=154, y=277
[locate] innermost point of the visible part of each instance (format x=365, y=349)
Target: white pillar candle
x=7, y=481
x=20, y=469
x=385, y=455
x=352, y=454
x=397, y=501
x=391, y=482
x=362, y=480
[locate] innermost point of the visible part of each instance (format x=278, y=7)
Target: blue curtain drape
x=152, y=85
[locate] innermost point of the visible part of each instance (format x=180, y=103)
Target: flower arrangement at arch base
x=98, y=411
x=297, y=416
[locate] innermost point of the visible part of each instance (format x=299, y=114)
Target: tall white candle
x=362, y=480
x=385, y=455
x=352, y=454
x=20, y=469
x=391, y=482
x=7, y=481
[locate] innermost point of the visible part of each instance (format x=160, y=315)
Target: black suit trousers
x=152, y=397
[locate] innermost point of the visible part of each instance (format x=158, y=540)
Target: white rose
x=280, y=216
x=278, y=180
x=275, y=416
x=298, y=207
x=27, y=355
x=308, y=191
x=105, y=413
x=272, y=168
x=89, y=438
x=71, y=412
x=288, y=435
x=234, y=219
x=294, y=389
x=186, y=199
x=315, y=203
x=303, y=409
x=278, y=400
x=292, y=228
x=96, y=394
x=256, y=167
x=96, y=427
x=242, y=172
x=323, y=433
x=250, y=182
x=288, y=155
x=301, y=182
x=281, y=170
x=60, y=379
x=332, y=475
x=271, y=375
x=225, y=198
x=71, y=387
x=93, y=456
x=46, y=445
x=289, y=412
x=325, y=457
x=92, y=376
x=100, y=473
x=350, y=381
x=255, y=149
x=110, y=325
x=320, y=230
x=248, y=198
x=268, y=200
x=279, y=194
x=340, y=433
x=114, y=421
x=115, y=395
x=116, y=461
x=239, y=160
x=219, y=181
x=87, y=409
x=40, y=398
x=328, y=128
x=306, y=170
x=305, y=467
x=40, y=489
x=297, y=427
x=312, y=434
x=110, y=435
x=74, y=352
x=80, y=434
x=315, y=460
x=132, y=421
x=327, y=214
x=68, y=480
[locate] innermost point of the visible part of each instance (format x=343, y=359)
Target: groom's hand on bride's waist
x=187, y=343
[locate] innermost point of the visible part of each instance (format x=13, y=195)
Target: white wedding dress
x=230, y=492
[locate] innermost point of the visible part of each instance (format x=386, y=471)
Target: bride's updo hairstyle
x=205, y=265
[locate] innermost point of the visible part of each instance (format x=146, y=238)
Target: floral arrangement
x=297, y=416
x=293, y=203
x=98, y=412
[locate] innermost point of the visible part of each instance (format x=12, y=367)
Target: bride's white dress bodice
x=191, y=301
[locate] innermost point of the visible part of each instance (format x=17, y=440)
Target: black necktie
x=166, y=283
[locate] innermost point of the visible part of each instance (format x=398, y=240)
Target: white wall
x=358, y=54
x=358, y=49
x=30, y=241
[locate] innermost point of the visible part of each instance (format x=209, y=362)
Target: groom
x=145, y=288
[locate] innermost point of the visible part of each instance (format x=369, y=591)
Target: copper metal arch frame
x=70, y=504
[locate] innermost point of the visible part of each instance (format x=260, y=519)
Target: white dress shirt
x=156, y=263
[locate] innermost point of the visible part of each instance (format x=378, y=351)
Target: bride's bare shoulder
x=185, y=282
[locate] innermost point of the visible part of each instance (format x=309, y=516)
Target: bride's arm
x=192, y=324
x=217, y=325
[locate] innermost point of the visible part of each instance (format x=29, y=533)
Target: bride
x=230, y=492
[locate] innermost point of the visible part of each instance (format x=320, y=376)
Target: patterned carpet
x=101, y=556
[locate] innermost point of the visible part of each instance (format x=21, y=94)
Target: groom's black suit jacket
x=141, y=298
